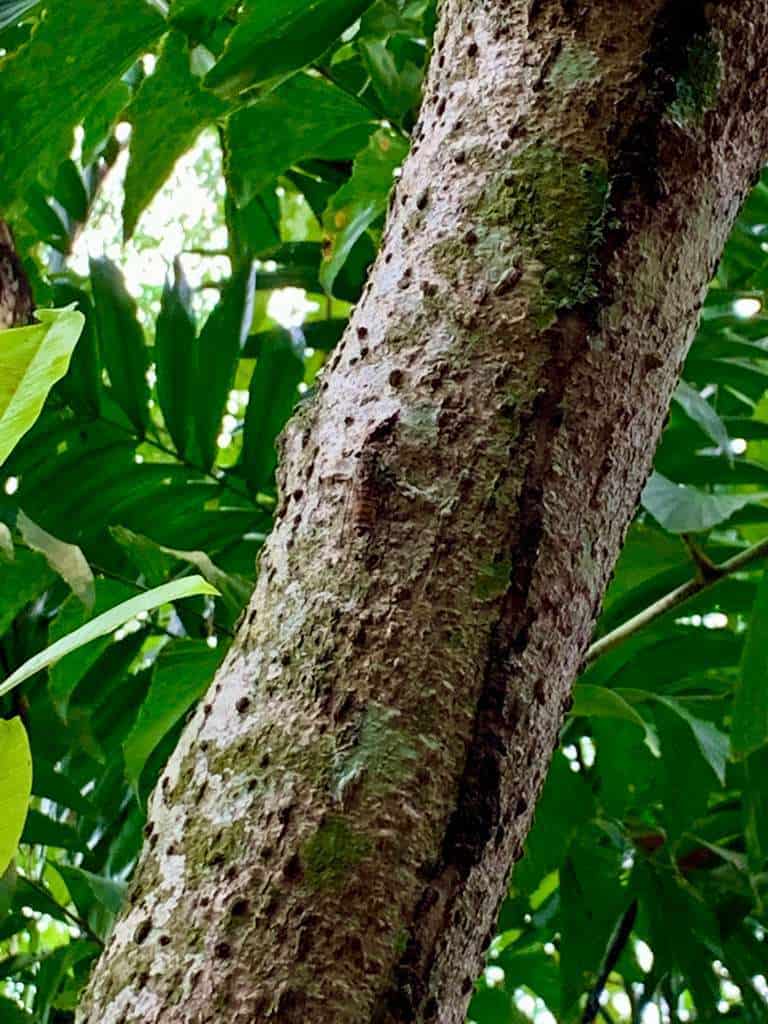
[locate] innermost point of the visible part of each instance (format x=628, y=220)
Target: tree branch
x=702, y=581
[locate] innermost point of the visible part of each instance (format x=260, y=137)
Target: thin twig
x=616, y=948
x=675, y=598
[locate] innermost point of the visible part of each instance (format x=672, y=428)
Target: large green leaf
x=32, y=359
x=750, y=704
x=273, y=394
x=181, y=676
x=107, y=623
x=361, y=200
x=49, y=85
x=682, y=509
x=158, y=141
x=122, y=342
x=274, y=39
x=15, y=786
x=600, y=702
x=294, y=121
x=218, y=351
x=175, y=360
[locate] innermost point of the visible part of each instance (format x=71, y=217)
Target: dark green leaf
x=175, y=360
x=750, y=703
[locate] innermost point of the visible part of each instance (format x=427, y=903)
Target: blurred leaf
x=107, y=623
x=122, y=342
x=32, y=359
x=361, y=200
x=272, y=40
x=15, y=786
x=157, y=141
x=182, y=675
x=750, y=701
x=65, y=559
x=682, y=509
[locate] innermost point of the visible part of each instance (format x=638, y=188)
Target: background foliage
x=644, y=881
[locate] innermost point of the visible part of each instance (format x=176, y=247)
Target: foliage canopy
x=153, y=458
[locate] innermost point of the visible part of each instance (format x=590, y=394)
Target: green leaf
x=158, y=141
x=361, y=200
x=175, y=358
x=712, y=744
x=600, y=702
x=32, y=359
x=65, y=559
x=272, y=40
x=107, y=623
x=15, y=786
x=82, y=386
x=749, y=731
x=7, y=552
x=21, y=581
x=398, y=89
x=86, y=886
x=182, y=674
x=12, y=11
x=101, y=119
x=48, y=86
x=702, y=413
x=272, y=396
x=682, y=509
x=122, y=342
x=218, y=351
x=294, y=121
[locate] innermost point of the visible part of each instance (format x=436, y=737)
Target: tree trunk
x=332, y=838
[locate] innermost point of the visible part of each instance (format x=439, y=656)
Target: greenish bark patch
x=331, y=853
x=698, y=85
x=555, y=206
x=493, y=580
x=382, y=754
x=576, y=65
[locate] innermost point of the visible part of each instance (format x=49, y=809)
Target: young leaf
x=749, y=731
x=361, y=200
x=65, y=559
x=108, y=623
x=122, y=342
x=32, y=359
x=274, y=39
x=682, y=509
x=15, y=786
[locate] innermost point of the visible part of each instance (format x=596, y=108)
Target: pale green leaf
x=107, y=623
x=682, y=509
x=32, y=359
x=702, y=413
x=15, y=786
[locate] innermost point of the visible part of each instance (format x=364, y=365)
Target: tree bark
x=332, y=838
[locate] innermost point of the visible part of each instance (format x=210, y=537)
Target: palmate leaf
x=272, y=40
x=107, y=623
x=15, y=786
x=32, y=359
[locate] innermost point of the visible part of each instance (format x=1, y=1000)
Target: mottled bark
x=332, y=838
